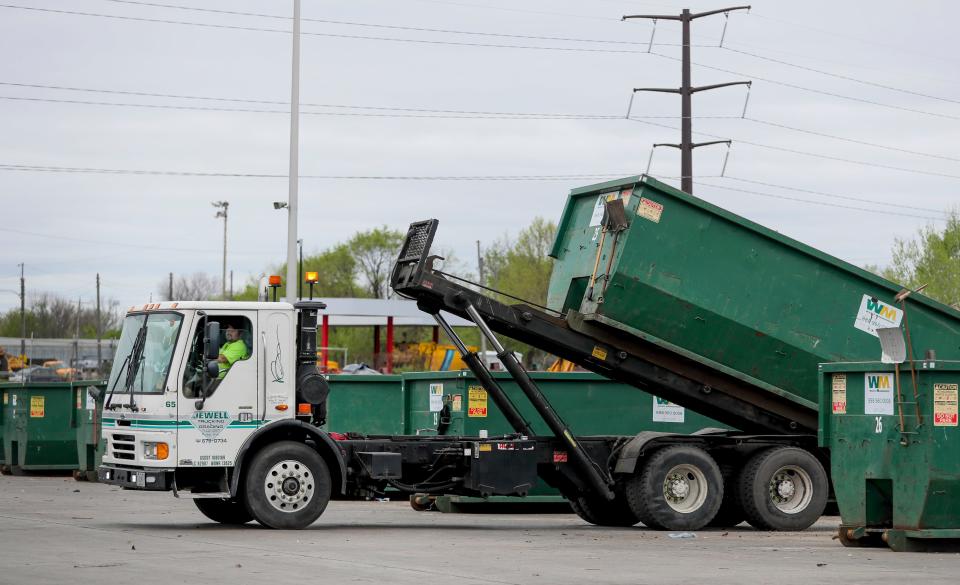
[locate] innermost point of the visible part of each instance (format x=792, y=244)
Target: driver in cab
x=232, y=350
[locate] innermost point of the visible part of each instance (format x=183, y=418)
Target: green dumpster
x=89, y=446
x=589, y=403
x=454, y=403
x=368, y=404
x=42, y=430
x=698, y=281
x=895, y=453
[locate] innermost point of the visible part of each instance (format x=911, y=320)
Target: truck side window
x=235, y=344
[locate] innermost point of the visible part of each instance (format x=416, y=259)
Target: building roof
x=345, y=312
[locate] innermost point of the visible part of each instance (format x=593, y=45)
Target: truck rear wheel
x=601, y=512
x=223, y=511
x=679, y=488
x=287, y=486
x=783, y=488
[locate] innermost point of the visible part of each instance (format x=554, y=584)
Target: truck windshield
x=152, y=364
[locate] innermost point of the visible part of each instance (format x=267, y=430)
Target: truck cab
x=198, y=387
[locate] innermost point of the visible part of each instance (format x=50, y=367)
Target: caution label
x=945, y=405
x=839, y=394
x=457, y=402
x=651, y=210
x=476, y=402
x=36, y=407
x=599, y=353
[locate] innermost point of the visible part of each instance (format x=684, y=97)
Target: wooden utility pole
x=170, y=289
x=686, y=92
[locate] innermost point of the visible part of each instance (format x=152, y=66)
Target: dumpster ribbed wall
x=686, y=274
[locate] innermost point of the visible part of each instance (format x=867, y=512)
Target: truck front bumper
x=137, y=479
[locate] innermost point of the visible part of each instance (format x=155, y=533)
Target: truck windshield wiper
x=132, y=358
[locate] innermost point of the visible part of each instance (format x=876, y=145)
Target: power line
x=456, y=113
x=836, y=196
x=841, y=76
x=60, y=169
x=424, y=112
x=810, y=154
x=816, y=91
x=822, y=203
x=371, y=25
x=109, y=243
x=319, y=34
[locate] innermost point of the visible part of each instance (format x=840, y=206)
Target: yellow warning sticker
x=485, y=447
x=839, y=394
x=945, y=405
x=457, y=402
x=650, y=210
x=476, y=402
x=599, y=353
x=36, y=407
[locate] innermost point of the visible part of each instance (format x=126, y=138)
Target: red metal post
x=389, y=345
x=325, y=341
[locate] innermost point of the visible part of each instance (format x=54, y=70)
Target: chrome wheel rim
x=685, y=488
x=289, y=486
x=791, y=489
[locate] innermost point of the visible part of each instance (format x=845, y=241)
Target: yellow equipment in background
x=436, y=357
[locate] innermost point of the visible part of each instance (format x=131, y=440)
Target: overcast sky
x=870, y=87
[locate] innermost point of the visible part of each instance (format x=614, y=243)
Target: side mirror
x=211, y=340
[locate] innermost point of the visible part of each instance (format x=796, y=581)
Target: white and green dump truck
x=651, y=287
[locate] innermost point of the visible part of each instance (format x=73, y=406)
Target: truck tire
x=731, y=511
x=602, y=512
x=287, y=486
x=783, y=488
x=679, y=488
x=224, y=511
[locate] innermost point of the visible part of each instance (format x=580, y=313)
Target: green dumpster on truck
x=694, y=287
x=89, y=407
x=366, y=403
x=454, y=403
x=42, y=435
x=895, y=453
x=589, y=403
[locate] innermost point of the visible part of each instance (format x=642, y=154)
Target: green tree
x=375, y=251
x=336, y=269
x=522, y=269
x=930, y=258
x=51, y=316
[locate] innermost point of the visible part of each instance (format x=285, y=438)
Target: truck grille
x=123, y=446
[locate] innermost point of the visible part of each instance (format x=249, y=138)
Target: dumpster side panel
x=367, y=404
x=731, y=291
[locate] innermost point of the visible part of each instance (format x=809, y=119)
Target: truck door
x=211, y=435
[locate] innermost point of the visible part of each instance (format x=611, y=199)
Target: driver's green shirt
x=233, y=351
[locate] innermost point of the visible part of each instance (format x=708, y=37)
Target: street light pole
x=23, y=314
x=294, y=178
x=300, y=270
x=223, y=206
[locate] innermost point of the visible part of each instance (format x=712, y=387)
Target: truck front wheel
x=223, y=511
x=783, y=488
x=287, y=486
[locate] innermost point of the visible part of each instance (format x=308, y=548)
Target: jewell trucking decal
x=874, y=314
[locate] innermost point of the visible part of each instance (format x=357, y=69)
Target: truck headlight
x=157, y=451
